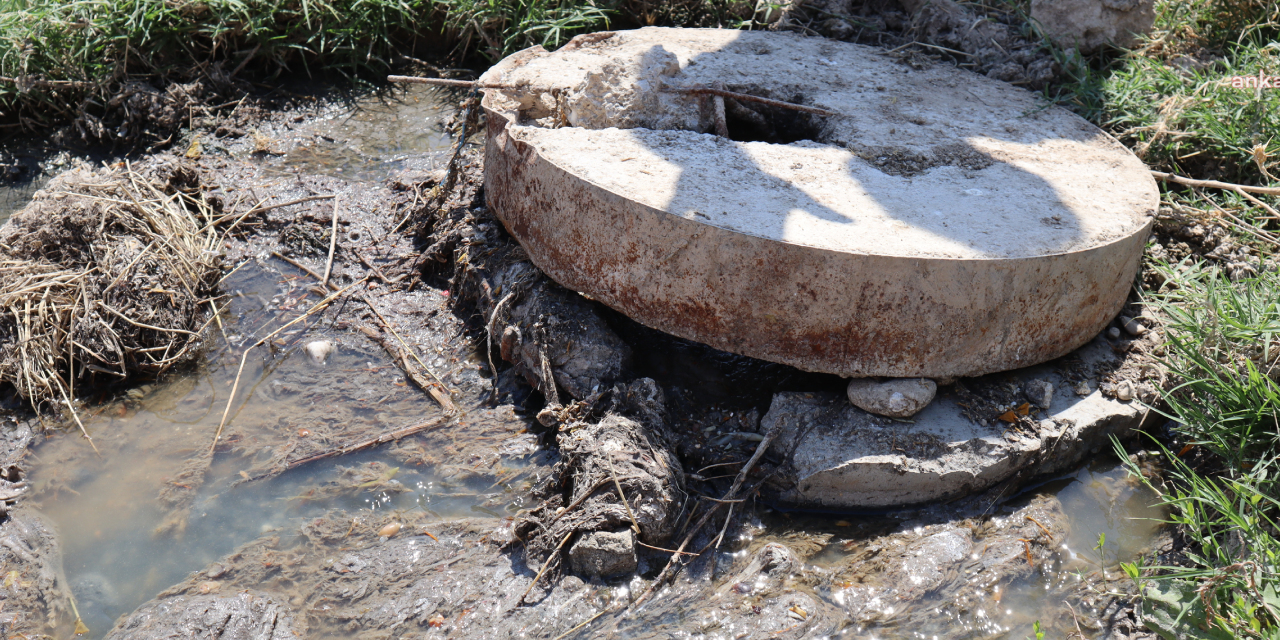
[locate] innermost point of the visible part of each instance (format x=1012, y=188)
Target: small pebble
x=208, y=587
x=1039, y=393
x=1124, y=391
x=1132, y=326
x=390, y=530
x=320, y=350
x=1113, y=333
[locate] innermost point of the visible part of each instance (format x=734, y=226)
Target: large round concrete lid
x=937, y=223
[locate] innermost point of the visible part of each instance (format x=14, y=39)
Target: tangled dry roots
x=104, y=274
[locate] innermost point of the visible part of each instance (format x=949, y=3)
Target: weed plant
x=56, y=54
x=1177, y=100
x=1220, y=488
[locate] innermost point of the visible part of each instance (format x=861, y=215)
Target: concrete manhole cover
x=936, y=224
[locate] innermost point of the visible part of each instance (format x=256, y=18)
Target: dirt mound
x=986, y=39
x=240, y=616
x=106, y=274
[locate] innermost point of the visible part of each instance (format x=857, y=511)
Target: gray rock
x=1124, y=391
x=604, y=553
x=1088, y=25
x=1039, y=393
x=1132, y=326
x=1113, y=333
x=896, y=398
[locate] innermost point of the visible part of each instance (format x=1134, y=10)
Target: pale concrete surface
x=943, y=224
x=840, y=457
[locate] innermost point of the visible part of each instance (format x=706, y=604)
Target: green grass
x=55, y=54
x=1171, y=99
x=1224, y=345
x=498, y=27
x=1220, y=488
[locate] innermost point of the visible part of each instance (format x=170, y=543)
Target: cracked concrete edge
x=836, y=459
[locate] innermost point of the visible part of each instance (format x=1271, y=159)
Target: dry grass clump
x=104, y=274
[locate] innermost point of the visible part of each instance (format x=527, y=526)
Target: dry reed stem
x=333, y=245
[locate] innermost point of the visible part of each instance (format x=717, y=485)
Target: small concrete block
x=897, y=398
x=604, y=553
x=841, y=457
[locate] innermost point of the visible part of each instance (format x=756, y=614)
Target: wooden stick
x=1214, y=184
x=403, y=360
x=313, y=274
x=385, y=437
x=741, y=97
x=333, y=244
x=404, y=344
x=717, y=104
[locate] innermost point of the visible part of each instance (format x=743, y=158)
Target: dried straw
x=104, y=272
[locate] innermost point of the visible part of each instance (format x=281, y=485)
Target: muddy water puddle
x=370, y=137
x=125, y=538
x=1108, y=517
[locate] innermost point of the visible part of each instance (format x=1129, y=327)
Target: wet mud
x=545, y=502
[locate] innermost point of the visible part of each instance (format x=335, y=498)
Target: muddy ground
x=529, y=369
x=568, y=379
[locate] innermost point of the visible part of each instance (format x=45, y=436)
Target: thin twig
x=585, y=623
x=554, y=554
x=1261, y=234
x=388, y=436
x=143, y=325
x=76, y=415
x=313, y=274
x=635, y=526
x=574, y=505
x=1214, y=184
x=333, y=244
